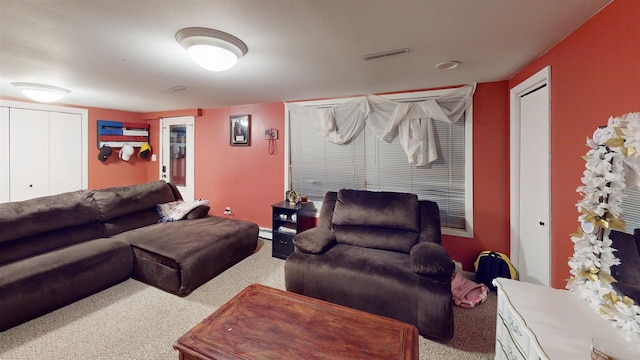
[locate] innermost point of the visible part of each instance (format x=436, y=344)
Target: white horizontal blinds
x=631, y=208
x=318, y=166
x=402, y=143
x=443, y=181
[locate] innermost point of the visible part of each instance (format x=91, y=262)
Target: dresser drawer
x=505, y=350
x=514, y=339
x=512, y=342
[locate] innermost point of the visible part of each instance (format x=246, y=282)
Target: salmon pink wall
x=490, y=176
x=595, y=74
x=245, y=178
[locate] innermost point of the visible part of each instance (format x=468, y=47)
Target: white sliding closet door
x=28, y=154
x=65, y=152
x=43, y=150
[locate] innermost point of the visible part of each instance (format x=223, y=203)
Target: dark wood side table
x=288, y=220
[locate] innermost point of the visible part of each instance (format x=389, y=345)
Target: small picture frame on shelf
x=240, y=126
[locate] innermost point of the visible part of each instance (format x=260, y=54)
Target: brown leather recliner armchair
x=378, y=252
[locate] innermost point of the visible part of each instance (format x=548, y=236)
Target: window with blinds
x=368, y=163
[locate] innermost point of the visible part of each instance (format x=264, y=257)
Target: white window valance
x=410, y=121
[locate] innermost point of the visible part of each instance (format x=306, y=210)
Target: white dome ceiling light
x=212, y=49
x=40, y=92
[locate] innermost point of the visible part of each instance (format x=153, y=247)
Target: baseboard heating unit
x=265, y=233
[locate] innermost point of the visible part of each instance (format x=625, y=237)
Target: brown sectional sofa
x=58, y=249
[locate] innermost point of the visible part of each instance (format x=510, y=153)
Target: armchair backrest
x=430, y=230
x=382, y=220
x=326, y=212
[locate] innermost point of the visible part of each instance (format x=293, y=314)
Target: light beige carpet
x=135, y=321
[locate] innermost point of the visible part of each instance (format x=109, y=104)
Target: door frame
x=190, y=122
x=541, y=78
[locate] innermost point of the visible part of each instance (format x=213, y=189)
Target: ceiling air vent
x=385, y=54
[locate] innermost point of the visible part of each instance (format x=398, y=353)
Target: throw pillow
x=177, y=210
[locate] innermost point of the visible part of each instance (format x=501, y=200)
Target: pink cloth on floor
x=467, y=293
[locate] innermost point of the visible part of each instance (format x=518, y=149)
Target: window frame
x=404, y=97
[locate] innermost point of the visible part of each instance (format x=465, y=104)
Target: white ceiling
x=120, y=54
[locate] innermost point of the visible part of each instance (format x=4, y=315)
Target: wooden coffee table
x=265, y=323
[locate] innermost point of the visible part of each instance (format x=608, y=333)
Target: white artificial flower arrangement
x=612, y=165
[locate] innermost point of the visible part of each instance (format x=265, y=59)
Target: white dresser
x=536, y=322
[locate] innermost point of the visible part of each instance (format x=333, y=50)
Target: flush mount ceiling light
x=214, y=50
x=447, y=65
x=40, y=92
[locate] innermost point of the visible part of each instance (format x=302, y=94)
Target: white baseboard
x=265, y=233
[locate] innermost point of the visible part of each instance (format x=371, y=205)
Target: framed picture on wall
x=240, y=126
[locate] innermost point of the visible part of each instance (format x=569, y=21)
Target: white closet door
x=28, y=154
x=65, y=149
x=535, y=187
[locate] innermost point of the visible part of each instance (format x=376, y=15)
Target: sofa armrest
x=314, y=241
x=431, y=259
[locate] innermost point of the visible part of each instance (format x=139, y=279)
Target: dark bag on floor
x=492, y=264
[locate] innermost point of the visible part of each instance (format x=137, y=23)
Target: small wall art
x=240, y=126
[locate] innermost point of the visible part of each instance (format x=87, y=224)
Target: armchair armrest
x=314, y=241
x=430, y=259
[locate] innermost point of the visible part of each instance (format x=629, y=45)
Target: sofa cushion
x=119, y=201
x=377, y=209
x=43, y=283
x=376, y=238
x=31, y=217
x=41, y=243
x=180, y=256
x=131, y=221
